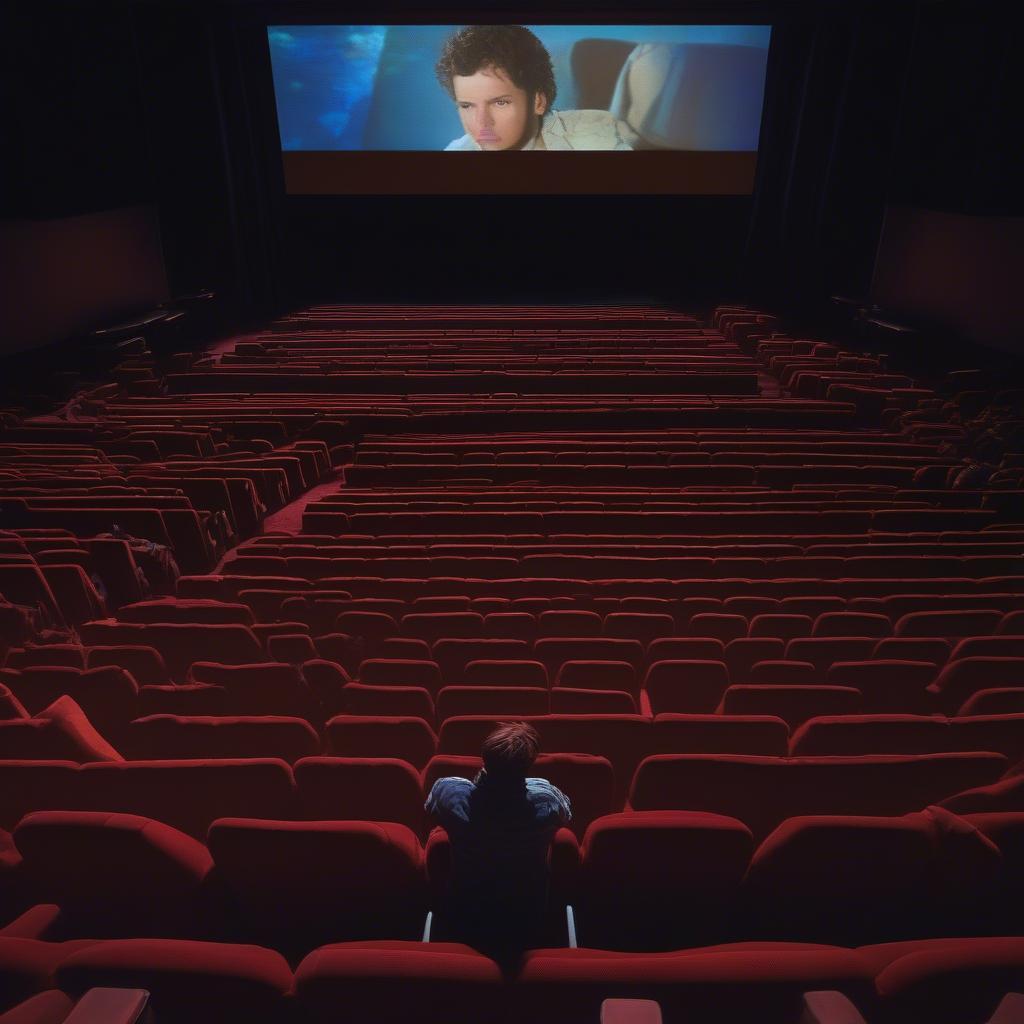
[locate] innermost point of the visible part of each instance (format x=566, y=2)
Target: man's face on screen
x=495, y=111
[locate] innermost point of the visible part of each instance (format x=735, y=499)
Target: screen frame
x=308, y=175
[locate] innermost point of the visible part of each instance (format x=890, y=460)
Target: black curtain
x=837, y=78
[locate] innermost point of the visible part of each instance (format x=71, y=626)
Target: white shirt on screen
x=567, y=130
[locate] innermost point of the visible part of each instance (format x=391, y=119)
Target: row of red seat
x=190, y=792
x=639, y=881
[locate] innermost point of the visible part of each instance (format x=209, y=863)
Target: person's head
x=509, y=752
x=501, y=79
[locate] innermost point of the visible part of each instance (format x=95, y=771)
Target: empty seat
x=947, y=624
x=360, y=788
x=598, y=675
x=395, y=982
x=129, y=875
x=300, y=884
x=188, y=795
x=642, y=626
x=888, y=686
x=783, y=672
x=718, y=626
x=410, y=739
x=556, y=623
x=781, y=626
x=793, y=704
x=686, y=687
x=405, y=672
x=762, y=791
x=660, y=879
x=892, y=884
x=721, y=734
x=963, y=678
x=198, y=737
x=491, y=700
x=505, y=673
x=573, y=701
x=850, y=735
x=852, y=624
x=186, y=980
x=745, y=652
x=403, y=701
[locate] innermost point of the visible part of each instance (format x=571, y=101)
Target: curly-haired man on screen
x=503, y=85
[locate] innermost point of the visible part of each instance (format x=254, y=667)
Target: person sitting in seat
x=500, y=827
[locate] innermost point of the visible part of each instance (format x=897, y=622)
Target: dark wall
x=152, y=101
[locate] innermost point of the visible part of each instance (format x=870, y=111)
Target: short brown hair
x=511, y=749
x=513, y=49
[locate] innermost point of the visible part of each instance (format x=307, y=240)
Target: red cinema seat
x=179, y=609
x=69, y=655
x=660, y=879
x=851, y=735
x=264, y=688
x=510, y=625
x=718, y=626
x=186, y=980
x=793, y=704
x=852, y=624
x=570, y=701
x=764, y=791
x=742, y=654
x=989, y=647
x=1005, y=700
x=556, y=623
x=721, y=734
x=500, y=701
x=145, y=664
x=410, y=739
x=909, y=648
x=188, y=795
x=176, y=737
x=359, y=788
x=300, y=884
x=893, y=886
x=744, y=982
x=393, y=982
x=373, y=701
x=505, y=673
x=685, y=648
x=597, y=675
x=129, y=876
x=394, y=672
x=948, y=624
x=952, y=983
x=780, y=626
x=51, y=1007
x=961, y=679
x=432, y=626
x=642, y=626
x=453, y=655
x=783, y=672
x=888, y=687
x=823, y=651
x=686, y=687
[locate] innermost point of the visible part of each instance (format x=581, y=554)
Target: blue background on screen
x=373, y=86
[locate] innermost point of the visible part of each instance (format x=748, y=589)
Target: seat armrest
x=111, y=1006
x=829, y=1007
x=38, y=922
x=570, y=926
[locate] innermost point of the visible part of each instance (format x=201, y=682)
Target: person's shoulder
x=544, y=794
x=453, y=782
x=463, y=142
